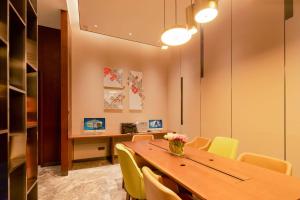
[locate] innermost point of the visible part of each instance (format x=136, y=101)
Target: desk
x=209, y=176
x=113, y=139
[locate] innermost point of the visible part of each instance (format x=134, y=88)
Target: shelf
x=3, y=86
x=3, y=40
x=32, y=124
x=16, y=134
x=13, y=9
x=31, y=40
x=3, y=166
x=17, y=180
x=17, y=66
x=14, y=89
x=17, y=112
x=3, y=131
x=31, y=157
x=31, y=6
x=3, y=20
x=32, y=97
x=31, y=184
x=15, y=163
x=30, y=67
x=18, y=7
x=33, y=193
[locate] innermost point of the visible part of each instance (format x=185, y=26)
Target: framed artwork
x=113, y=99
x=113, y=78
x=136, y=93
x=94, y=124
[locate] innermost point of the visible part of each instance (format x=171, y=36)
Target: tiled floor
x=97, y=183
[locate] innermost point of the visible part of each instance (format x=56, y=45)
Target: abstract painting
x=136, y=93
x=113, y=78
x=113, y=99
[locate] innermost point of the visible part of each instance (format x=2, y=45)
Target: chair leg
x=127, y=196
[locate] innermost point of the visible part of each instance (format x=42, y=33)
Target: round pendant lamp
x=176, y=35
x=205, y=10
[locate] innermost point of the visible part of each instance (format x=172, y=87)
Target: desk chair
x=225, y=147
x=267, y=162
x=137, y=138
x=132, y=175
x=199, y=143
x=155, y=190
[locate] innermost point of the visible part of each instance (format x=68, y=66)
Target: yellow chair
x=137, y=138
x=225, y=147
x=199, y=143
x=132, y=175
x=155, y=190
x=267, y=162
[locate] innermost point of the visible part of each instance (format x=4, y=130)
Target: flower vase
x=176, y=148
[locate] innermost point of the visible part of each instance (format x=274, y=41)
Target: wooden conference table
x=209, y=176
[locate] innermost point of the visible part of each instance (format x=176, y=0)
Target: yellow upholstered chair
x=132, y=175
x=199, y=143
x=155, y=190
x=267, y=162
x=225, y=147
x=137, y=138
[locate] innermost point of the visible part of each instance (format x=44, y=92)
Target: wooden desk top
x=213, y=177
x=107, y=134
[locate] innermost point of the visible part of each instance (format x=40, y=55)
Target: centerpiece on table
x=176, y=143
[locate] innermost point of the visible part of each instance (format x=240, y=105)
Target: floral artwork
x=113, y=78
x=113, y=99
x=136, y=96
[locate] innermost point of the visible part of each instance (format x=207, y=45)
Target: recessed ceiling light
x=130, y=34
x=96, y=26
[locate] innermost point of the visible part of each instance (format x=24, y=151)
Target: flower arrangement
x=176, y=143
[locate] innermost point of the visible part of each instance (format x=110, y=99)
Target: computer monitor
x=156, y=124
x=94, y=124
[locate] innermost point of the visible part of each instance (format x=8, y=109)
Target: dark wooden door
x=49, y=96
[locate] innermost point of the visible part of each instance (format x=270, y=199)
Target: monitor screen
x=155, y=124
x=94, y=124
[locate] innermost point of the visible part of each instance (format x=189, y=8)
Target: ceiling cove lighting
x=177, y=35
x=205, y=10
x=190, y=21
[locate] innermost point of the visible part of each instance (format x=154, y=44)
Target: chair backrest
x=132, y=175
x=199, y=143
x=137, y=138
x=155, y=189
x=267, y=162
x=225, y=147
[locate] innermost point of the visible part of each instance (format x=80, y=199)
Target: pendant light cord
x=164, y=14
x=175, y=12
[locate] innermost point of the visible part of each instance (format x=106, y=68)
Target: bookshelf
x=18, y=100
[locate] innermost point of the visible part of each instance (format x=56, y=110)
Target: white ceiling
x=136, y=20
x=49, y=12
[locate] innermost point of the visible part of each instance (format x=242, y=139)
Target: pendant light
x=176, y=35
x=190, y=21
x=205, y=10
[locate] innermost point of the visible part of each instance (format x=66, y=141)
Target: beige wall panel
x=216, y=84
x=293, y=88
x=191, y=87
x=174, y=92
x=258, y=84
x=90, y=54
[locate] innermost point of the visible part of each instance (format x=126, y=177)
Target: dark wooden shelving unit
x=18, y=100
